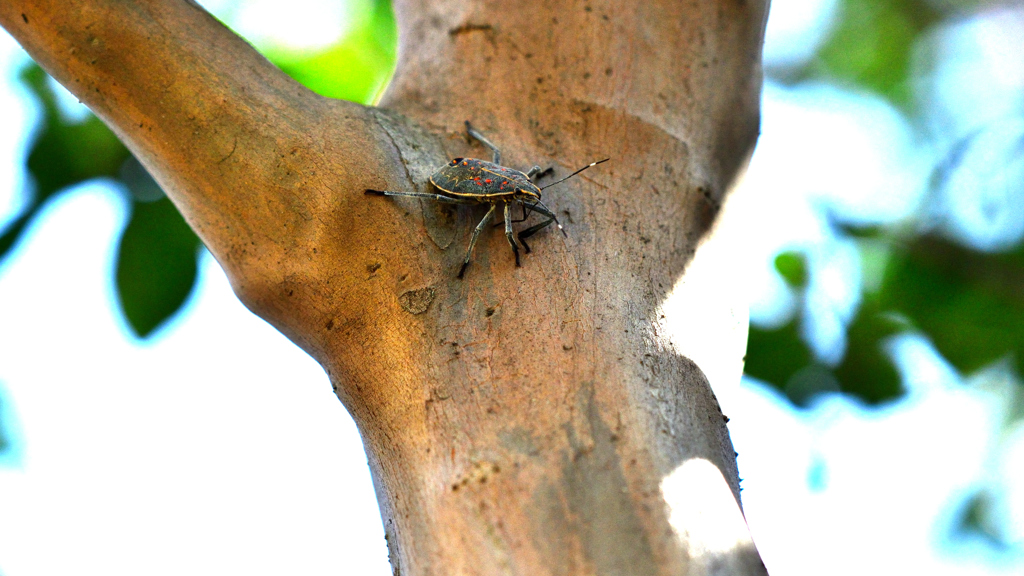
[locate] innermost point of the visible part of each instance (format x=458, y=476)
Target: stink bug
x=472, y=181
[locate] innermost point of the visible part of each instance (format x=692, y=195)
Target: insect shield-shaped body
x=483, y=181
x=472, y=181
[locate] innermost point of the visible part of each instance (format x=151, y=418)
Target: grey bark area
x=535, y=420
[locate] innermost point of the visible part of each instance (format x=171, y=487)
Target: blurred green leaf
x=356, y=68
x=156, y=265
x=971, y=304
x=873, y=44
x=976, y=518
x=14, y=229
x=783, y=359
x=793, y=267
x=858, y=232
x=63, y=153
x=66, y=153
x=866, y=371
x=775, y=355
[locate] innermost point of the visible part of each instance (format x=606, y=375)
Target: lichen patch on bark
x=416, y=301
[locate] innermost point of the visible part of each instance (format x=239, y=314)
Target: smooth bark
x=532, y=420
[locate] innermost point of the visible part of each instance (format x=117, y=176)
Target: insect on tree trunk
x=534, y=420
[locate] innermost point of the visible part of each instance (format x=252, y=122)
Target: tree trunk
x=533, y=420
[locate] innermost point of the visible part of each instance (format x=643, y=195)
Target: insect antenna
x=592, y=164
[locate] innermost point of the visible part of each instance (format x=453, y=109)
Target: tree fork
x=532, y=420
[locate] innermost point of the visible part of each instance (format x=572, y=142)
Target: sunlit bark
x=531, y=420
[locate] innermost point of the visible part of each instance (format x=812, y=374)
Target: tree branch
x=530, y=420
x=233, y=141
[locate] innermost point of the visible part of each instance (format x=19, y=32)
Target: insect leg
x=437, y=197
x=542, y=209
x=476, y=234
x=538, y=227
x=531, y=231
x=508, y=232
x=536, y=173
x=472, y=132
x=514, y=221
x=525, y=215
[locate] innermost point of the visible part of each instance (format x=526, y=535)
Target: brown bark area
x=522, y=420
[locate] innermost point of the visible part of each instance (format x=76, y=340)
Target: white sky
x=219, y=447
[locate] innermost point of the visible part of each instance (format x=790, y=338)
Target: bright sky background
x=219, y=448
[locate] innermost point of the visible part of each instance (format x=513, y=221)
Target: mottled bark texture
x=533, y=420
